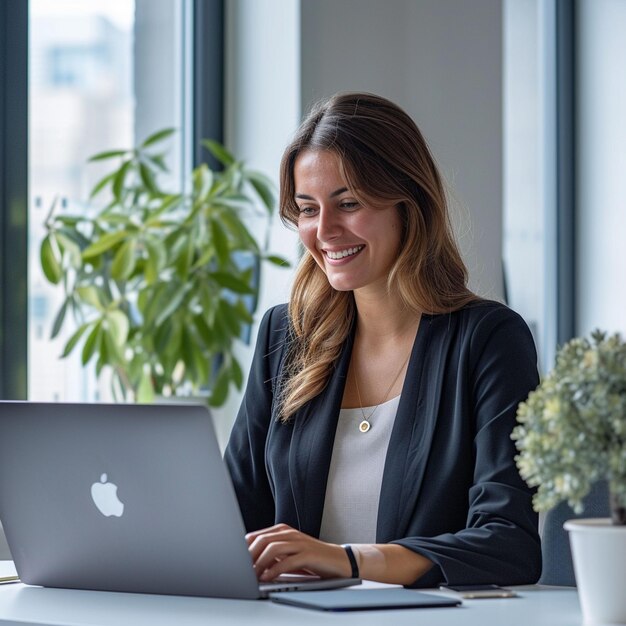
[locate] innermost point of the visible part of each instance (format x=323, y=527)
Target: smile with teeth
x=342, y=254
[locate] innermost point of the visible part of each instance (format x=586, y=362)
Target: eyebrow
x=337, y=192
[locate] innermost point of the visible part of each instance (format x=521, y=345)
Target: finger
x=274, y=553
x=251, y=536
x=261, y=542
x=289, y=565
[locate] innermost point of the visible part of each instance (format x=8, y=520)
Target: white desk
x=20, y=604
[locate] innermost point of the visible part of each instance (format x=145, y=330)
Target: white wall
x=263, y=105
x=442, y=62
x=262, y=112
x=160, y=42
x=601, y=163
x=529, y=168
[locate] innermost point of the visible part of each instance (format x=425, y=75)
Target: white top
x=356, y=474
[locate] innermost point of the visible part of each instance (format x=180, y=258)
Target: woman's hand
x=282, y=549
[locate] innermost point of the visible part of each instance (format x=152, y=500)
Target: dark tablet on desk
x=363, y=599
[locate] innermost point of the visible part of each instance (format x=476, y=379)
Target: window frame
x=13, y=198
x=565, y=171
x=208, y=78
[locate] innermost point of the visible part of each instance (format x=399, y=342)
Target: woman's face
x=355, y=245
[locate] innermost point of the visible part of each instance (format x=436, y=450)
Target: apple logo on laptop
x=104, y=496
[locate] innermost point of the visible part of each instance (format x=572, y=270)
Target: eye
x=307, y=211
x=349, y=205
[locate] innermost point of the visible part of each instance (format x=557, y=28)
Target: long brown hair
x=385, y=158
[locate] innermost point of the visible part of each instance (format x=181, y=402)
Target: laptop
x=119, y=497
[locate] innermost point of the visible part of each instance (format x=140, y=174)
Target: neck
x=383, y=342
x=383, y=318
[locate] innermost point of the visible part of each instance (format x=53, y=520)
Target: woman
x=374, y=435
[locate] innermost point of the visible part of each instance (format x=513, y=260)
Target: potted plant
x=572, y=433
x=160, y=285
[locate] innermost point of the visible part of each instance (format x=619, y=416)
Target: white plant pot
x=599, y=556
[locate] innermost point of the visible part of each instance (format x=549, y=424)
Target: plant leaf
x=70, y=220
x=115, y=219
x=158, y=136
x=245, y=240
x=206, y=334
x=242, y=311
x=118, y=325
x=50, y=260
x=277, y=260
x=73, y=340
x=103, y=358
x=150, y=302
x=202, y=364
x=172, y=305
x=114, y=353
x=90, y=295
x=229, y=318
x=264, y=187
x=155, y=261
x=187, y=354
x=108, y=154
x=236, y=372
x=147, y=177
x=73, y=234
x=98, y=187
x=219, y=392
x=231, y=282
x=58, y=320
x=145, y=389
x=202, y=181
x=185, y=258
x=220, y=241
x=124, y=261
x=167, y=338
x=231, y=202
x=219, y=152
x=118, y=180
x=90, y=344
x=158, y=160
x=103, y=244
x=72, y=248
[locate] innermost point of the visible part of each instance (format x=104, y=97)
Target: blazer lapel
x=410, y=441
x=311, y=446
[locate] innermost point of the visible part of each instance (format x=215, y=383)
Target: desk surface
x=20, y=604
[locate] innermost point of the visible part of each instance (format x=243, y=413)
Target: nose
x=329, y=224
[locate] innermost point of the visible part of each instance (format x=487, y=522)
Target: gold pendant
x=364, y=426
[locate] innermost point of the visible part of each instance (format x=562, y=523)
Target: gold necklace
x=365, y=424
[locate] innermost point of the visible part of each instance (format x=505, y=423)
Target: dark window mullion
x=566, y=170
x=208, y=77
x=13, y=198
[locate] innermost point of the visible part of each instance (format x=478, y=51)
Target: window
x=601, y=163
x=103, y=74
x=539, y=211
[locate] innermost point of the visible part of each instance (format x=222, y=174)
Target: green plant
x=572, y=428
x=160, y=285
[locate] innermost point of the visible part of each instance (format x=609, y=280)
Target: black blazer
x=450, y=489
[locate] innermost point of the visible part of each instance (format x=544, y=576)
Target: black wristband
x=352, y=559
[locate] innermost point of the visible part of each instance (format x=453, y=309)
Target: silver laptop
x=124, y=498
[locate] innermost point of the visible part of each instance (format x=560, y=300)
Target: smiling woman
x=374, y=434
x=354, y=244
